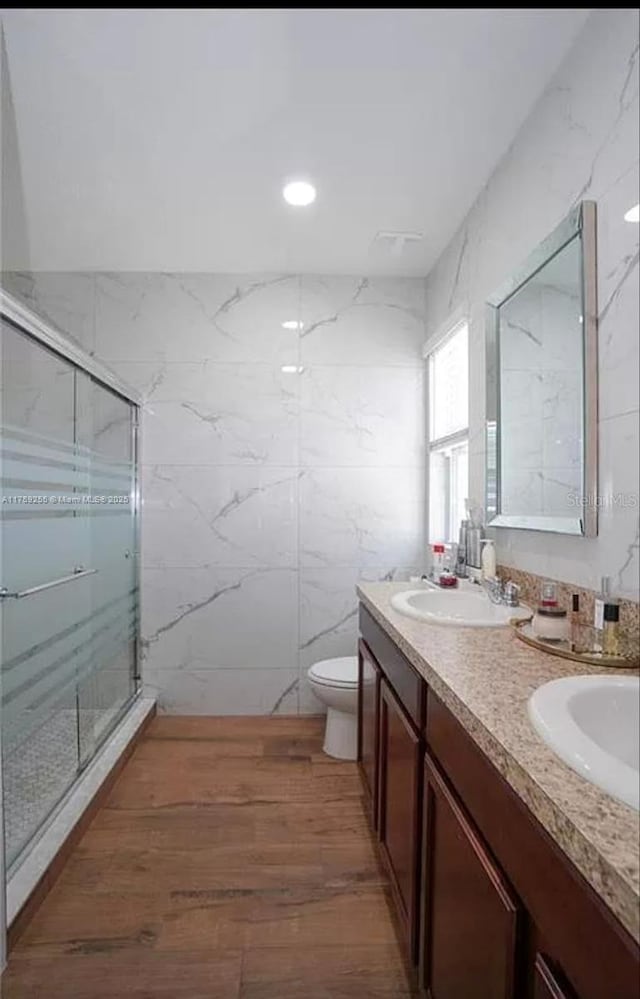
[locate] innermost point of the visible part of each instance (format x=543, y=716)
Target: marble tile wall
x=267, y=494
x=580, y=141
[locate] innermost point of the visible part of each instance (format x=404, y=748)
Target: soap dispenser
x=489, y=567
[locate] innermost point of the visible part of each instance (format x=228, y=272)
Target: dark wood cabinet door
x=399, y=818
x=469, y=932
x=368, y=724
x=547, y=983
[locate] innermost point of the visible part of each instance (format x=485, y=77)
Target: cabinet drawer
x=409, y=687
x=598, y=958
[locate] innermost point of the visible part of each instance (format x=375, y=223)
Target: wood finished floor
x=232, y=860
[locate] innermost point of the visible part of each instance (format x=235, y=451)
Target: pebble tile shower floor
x=39, y=769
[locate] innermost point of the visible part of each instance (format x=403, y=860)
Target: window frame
x=458, y=437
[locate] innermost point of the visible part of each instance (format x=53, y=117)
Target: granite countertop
x=485, y=677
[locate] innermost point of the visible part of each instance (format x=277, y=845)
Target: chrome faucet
x=501, y=593
x=511, y=591
x=494, y=589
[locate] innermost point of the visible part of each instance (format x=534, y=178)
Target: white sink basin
x=593, y=724
x=456, y=607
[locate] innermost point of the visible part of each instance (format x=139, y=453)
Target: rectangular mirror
x=541, y=429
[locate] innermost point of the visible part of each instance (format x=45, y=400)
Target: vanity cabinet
x=489, y=905
x=399, y=808
x=369, y=675
x=470, y=916
x=546, y=985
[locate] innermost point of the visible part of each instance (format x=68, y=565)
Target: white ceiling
x=160, y=139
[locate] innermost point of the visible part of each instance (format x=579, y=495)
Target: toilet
x=335, y=683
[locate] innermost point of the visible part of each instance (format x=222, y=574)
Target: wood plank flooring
x=232, y=860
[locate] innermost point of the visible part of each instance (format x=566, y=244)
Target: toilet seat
x=342, y=672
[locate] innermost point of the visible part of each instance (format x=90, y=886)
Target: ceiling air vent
x=396, y=240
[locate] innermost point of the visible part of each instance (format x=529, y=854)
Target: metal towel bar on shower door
x=76, y=574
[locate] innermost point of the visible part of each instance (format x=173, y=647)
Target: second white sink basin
x=464, y=608
x=593, y=724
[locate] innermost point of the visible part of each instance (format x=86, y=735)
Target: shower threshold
x=64, y=825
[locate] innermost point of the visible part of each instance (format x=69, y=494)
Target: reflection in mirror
x=541, y=407
x=541, y=389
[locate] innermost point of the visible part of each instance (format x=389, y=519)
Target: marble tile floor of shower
x=39, y=765
x=231, y=860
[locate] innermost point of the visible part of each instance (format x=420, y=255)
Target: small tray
x=628, y=659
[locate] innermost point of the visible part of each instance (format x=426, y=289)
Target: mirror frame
x=580, y=224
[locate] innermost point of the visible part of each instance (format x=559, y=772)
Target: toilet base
x=341, y=735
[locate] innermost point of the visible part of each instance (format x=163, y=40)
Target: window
x=448, y=434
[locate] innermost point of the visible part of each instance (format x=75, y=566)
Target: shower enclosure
x=69, y=514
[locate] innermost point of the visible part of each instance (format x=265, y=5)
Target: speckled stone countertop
x=485, y=677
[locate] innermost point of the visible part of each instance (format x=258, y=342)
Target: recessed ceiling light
x=633, y=215
x=299, y=193
x=291, y=369
x=292, y=324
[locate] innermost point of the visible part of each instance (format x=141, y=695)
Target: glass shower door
x=45, y=573
x=106, y=429
x=68, y=574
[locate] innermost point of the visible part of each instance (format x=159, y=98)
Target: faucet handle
x=511, y=591
x=492, y=586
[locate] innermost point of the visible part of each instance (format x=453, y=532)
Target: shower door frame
x=31, y=323
x=33, y=326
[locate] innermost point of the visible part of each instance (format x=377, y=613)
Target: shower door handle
x=78, y=573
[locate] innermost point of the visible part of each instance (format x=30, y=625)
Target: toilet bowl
x=335, y=683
